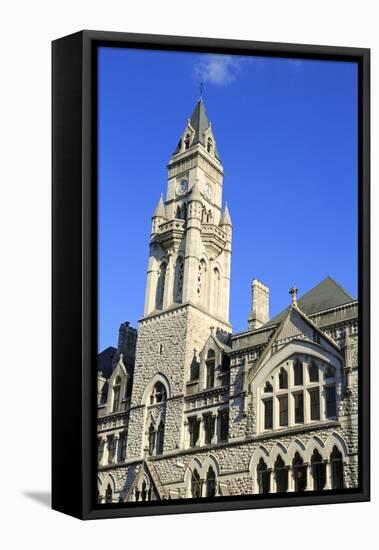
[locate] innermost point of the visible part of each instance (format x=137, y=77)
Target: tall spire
x=199, y=124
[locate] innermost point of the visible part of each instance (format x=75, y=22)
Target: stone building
x=189, y=409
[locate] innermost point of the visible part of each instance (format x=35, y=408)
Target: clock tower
x=188, y=277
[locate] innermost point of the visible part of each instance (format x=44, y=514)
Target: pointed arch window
x=160, y=438
x=211, y=483
x=216, y=289
x=159, y=394
x=313, y=372
x=195, y=485
x=179, y=278
x=268, y=387
x=336, y=466
x=318, y=471
x=299, y=473
x=281, y=475
x=100, y=450
x=263, y=477
x=109, y=494
x=116, y=394
x=151, y=439
x=187, y=142
x=209, y=216
x=209, y=145
x=298, y=372
x=161, y=285
x=201, y=280
x=210, y=365
x=330, y=397
x=283, y=379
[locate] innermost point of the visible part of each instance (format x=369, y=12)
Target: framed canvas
x=210, y=275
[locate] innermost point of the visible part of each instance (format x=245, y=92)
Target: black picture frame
x=74, y=271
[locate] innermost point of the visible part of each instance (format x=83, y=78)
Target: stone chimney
x=259, y=314
x=127, y=340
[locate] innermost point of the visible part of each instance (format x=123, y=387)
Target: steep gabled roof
x=326, y=295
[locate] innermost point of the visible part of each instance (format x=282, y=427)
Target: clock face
x=208, y=190
x=182, y=187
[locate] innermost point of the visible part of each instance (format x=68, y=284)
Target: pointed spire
x=200, y=123
x=160, y=211
x=225, y=218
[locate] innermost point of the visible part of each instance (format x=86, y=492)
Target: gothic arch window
x=209, y=216
x=209, y=145
x=201, y=275
x=195, y=485
x=108, y=494
x=122, y=446
x=159, y=394
x=160, y=438
x=210, y=367
x=104, y=393
x=281, y=475
x=211, y=483
x=318, y=471
x=299, y=473
x=336, y=466
x=313, y=371
x=268, y=387
x=216, y=289
x=151, y=437
x=298, y=372
x=116, y=394
x=179, y=278
x=203, y=215
x=161, y=285
x=263, y=477
x=283, y=379
x=184, y=211
x=187, y=141
x=100, y=450
x=177, y=215
x=303, y=398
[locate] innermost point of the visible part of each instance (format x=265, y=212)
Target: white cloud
x=217, y=69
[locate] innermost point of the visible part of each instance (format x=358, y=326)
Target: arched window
x=184, y=211
x=283, y=379
x=161, y=285
x=111, y=448
x=160, y=438
x=210, y=365
x=263, y=477
x=281, y=475
x=195, y=485
x=211, y=483
x=299, y=473
x=329, y=372
x=187, y=141
x=298, y=372
x=100, y=450
x=104, y=393
x=159, y=394
x=268, y=387
x=116, y=394
x=209, y=216
x=122, y=446
x=209, y=145
x=318, y=471
x=216, y=289
x=177, y=215
x=313, y=372
x=201, y=280
x=203, y=215
x=179, y=277
x=336, y=465
x=108, y=494
x=151, y=439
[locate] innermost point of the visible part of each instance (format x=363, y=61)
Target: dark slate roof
x=199, y=122
x=326, y=295
x=105, y=361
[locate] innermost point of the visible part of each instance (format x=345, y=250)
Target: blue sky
x=286, y=131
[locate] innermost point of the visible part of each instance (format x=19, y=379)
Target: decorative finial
x=201, y=89
x=293, y=292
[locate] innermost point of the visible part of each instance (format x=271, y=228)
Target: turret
x=159, y=216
